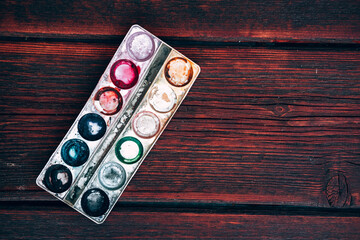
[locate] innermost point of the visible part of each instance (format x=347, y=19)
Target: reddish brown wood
x=225, y=21
x=234, y=161
x=265, y=146
x=259, y=126
x=53, y=222
x=56, y=78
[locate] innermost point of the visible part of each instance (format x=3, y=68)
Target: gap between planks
x=173, y=41
x=201, y=207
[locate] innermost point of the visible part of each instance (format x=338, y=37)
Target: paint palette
x=134, y=100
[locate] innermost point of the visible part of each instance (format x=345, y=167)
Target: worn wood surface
x=220, y=20
x=266, y=144
x=133, y=222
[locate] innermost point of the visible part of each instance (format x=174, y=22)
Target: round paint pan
x=58, y=178
x=92, y=126
x=95, y=202
x=146, y=124
x=112, y=176
x=108, y=101
x=124, y=74
x=162, y=98
x=140, y=46
x=178, y=71
x=129, y=150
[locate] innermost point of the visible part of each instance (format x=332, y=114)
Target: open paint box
x=139, y=92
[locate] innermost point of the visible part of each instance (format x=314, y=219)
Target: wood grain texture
x=57, y=222
x=265, y=146
x=56, y=78
x=261, y=125
x=221, y=21
x=232, y=171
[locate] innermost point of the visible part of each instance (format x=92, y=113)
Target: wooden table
x=266, y=145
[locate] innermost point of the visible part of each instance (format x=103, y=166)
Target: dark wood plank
x=237, y=161
x=56, y=78
x=261, y=125
x=266, y=145
x=57, y=222
x=223, y=21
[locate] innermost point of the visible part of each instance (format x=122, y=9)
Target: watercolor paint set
x=134, y=100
